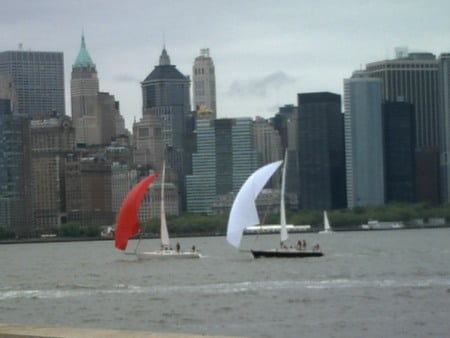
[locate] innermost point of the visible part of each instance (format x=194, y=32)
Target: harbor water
x=393, y=283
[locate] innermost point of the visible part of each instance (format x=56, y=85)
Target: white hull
x=382, y=226
x=167, y=254
x=325, y=232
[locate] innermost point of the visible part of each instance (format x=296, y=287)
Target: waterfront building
x=15, y=199
x=399, y=151
x=166, y=111
x=320, y=151
x=224, y=159
x=123, y=179
x=267, y=141
x=413, y=77
x=51, y=139
x=363, y=98
x=89, y=193
x=96, y=192
x=444, y=124
x=149, y=148
x=38, y=80
x=282, y=121
x=204, y=83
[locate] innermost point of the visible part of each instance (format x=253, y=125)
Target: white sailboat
x=166, y=251
x=244, y=213
x=326, y=224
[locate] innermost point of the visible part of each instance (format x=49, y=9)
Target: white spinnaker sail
x=243, y=212
x=164, y=232
x=283, y=231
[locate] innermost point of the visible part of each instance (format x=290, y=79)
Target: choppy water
x=368, y=284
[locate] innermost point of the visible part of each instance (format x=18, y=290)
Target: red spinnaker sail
x=128, y=219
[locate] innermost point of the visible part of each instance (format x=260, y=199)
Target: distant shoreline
x=93, y=239
x=186, y=235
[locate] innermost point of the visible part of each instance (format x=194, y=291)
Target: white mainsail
x=283, y=232
x=165, y=242
x=326, y=224
x=243, y=212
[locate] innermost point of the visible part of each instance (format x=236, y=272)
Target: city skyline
x=264, y=55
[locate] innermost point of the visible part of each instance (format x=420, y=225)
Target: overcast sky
x=264, y=51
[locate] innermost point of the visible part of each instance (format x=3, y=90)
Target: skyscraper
x=38, y=79
x=224, y=159
x=204, y=83
x=15, y=199
x=84, y=88
x=267, y=141
x=166, y=108
x=95, y=114
x=165, y=94
x=413, y=78
x=399, y=151
x=363, y=141
x=444, y=124
x=51, y=139
x=320, y=151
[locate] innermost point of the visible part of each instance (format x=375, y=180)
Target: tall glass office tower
x=224, y=159
x=38, y=78
x=363, y=141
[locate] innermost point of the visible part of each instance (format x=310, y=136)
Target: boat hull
x=167, y=254
x=285, y=254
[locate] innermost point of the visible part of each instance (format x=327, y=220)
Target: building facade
x=363, y=98
x=267, y=141
x=38, y=80
x=413, y=78
x=15, y=200
x=224, y=159
x=320, y=154
x=444, y=125
x=95, y=114
x=399, y=151
x=165, y=94
x=204, y=83
x=166, y=106
x=51, y=140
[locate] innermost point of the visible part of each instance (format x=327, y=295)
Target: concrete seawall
x=34, y=331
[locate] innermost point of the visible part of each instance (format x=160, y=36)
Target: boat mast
x=283, y=231
x=165, y=242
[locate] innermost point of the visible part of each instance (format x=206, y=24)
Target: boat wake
x=76, y=291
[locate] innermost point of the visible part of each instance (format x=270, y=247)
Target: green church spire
x=83, y=59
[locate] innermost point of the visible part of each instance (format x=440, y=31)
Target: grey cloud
x=126, y=78
x=260, y=87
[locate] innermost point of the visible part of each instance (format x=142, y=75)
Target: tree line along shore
x=411, y=215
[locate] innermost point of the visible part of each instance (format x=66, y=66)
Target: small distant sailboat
x=244, y=214
x=128, y=223
x=326, y=224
